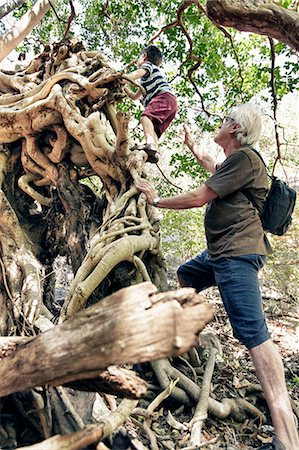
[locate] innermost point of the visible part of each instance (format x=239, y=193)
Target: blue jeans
x=237, y=281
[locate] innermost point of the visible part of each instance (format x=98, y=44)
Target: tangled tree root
x=187, y=391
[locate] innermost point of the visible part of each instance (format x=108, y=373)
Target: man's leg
x=196, y=273
x=237, y=279
x=269, y=369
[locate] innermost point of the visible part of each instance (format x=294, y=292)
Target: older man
x=236, y=250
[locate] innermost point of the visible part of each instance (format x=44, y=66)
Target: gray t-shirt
x=232, y=223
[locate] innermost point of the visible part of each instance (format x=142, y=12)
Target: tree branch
x=23, y=27
x=273, y=91
x=265, y=17
x=10, y=6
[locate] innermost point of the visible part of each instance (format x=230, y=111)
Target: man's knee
x=252, y=336
x=182, y=279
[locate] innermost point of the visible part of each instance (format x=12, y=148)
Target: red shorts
x=161, y=110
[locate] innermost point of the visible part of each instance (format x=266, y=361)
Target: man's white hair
x=248, y=116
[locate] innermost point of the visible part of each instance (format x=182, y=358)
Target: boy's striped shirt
x=154, y=83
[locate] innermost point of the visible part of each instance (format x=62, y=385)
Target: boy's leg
x=149, y=132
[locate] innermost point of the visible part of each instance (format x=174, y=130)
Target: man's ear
x=234, y=127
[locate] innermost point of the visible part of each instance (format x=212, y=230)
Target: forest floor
x=233, y=377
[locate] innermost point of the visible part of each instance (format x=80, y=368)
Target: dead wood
x=91, y=433
x=115, y=380
x=123, y=328
x=264, y=17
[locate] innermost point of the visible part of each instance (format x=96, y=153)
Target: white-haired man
x=236, y=250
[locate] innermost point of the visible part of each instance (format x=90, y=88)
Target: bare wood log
x=115, y=380
x=129, y=326
x=264, y=17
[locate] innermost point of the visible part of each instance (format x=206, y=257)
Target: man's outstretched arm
x=191, y=199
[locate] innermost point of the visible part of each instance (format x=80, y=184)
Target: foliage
x=182, y=234
x=232, y=70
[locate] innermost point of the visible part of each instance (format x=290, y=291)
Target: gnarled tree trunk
x=59, y=126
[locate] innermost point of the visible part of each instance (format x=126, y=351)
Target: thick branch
x=115, y=380
x=264, y=17
x=10, y=6
x=24, y=26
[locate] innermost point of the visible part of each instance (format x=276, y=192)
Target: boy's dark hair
x=154, y=54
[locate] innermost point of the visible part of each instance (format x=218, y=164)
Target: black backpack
x=276, y=216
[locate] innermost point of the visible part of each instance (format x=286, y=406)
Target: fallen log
x=133, y=325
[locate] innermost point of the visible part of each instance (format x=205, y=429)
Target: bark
x=123, y=328
x=115, y=380
x=23, y=27
x=10, y=6
x=54, y=144
x=264, y=17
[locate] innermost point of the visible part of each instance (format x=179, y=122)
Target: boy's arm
x=139, y=73
x=133, y=95
x=204, y=159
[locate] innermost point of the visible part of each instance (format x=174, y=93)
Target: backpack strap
x=258, y=154
x=246, y=192
x=251, y=198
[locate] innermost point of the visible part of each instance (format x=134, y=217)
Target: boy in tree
x=159, y=101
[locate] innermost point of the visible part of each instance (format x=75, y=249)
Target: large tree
x=60, y=131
